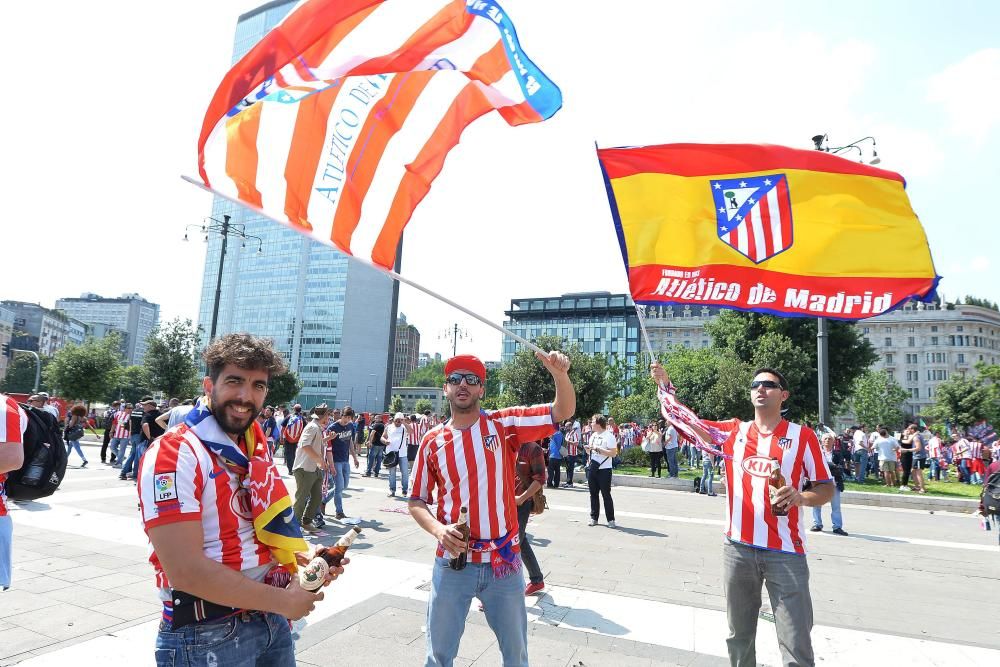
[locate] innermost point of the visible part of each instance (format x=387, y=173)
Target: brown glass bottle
x=312, y=576
x=775, y=481
x=459, y=561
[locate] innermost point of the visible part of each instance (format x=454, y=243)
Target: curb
x=914, y=502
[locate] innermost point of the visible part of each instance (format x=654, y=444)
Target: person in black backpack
x=11, y=458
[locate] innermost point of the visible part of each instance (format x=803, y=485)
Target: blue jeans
x=672, y=462
x=935, y=470
x=963, y=467
x=6, y=547
x=375, y=455
x=340, y=480
x=118, y=446
x=861, y=469
x=75, y=444
x=837, y=517
x=404, y=469
x=131, y=465
x=707, y=476
x=503, y=603
x=253, y=639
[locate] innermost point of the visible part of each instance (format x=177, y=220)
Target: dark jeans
x=527, y=553
x=906, y=459
x=599, y=482
x=375, y=455
x=672, y=462
x=104, y=445
x=555, y=468
x=570, y=467
x=289, y=448
x=656, y=464
x=963, y=471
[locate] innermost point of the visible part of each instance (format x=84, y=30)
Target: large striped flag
x=347, y=98
x=767, y=229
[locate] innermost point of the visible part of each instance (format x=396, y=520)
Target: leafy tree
x=20, y=377
x=396, y=404
x=982, y=303
x=283, y=388
x=963, y=401
x=431, y=375
x=526, y=382
x=850, y=354
x=877, y=399
x=638, y=407
x=170, y=358
x=712, y=382
x=88, y=372
x=421, y=405
x=133, y=384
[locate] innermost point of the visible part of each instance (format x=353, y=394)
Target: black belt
x=187, y=609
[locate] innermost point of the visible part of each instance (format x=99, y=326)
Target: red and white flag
x=350, y=97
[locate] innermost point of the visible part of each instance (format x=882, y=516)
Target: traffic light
x=5, y=350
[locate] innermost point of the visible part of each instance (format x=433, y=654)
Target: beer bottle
x=312, y=576
x=774, y=482
x=459, y=561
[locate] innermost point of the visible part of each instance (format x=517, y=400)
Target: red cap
x=466, y=362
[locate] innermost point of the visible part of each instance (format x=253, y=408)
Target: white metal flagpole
x=392, y=274
x=640, y=312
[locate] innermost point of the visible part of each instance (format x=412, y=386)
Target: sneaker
x=840, y=531
x=83, y=465
x=904, y=488
x=121, y=477
x=612, y=524
x=817, y=529
x=593, y=522
x=531, y=589
x=340, y=515
x=391, y=494
x=308, y=529
x=367, y=474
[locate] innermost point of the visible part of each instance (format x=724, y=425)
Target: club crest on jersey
x=757, y=466
x=753, y=215
x=491, y=442
x=785, y=443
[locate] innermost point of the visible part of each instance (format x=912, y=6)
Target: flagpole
x=392, y=274
x=645, y=334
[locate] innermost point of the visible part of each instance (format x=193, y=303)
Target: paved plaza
x=907, y=586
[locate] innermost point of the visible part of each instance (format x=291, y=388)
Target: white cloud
x=968, y=93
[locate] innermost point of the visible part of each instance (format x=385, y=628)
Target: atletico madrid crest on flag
x=754, y=215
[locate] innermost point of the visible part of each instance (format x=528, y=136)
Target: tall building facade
x=38, y=328
x=331, y=318
x=6, y=334
x=130, y=313
x=407, y=351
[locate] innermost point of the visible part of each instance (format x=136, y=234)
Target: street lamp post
x=224, y=228
x=823, y=324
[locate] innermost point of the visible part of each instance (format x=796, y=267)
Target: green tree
x=283, y=388
x=170, y=358
x=431, y=375
x=526, y=382
x=20, y=377
x=88, y=372
x=877, y=398
x=396, y=404
x=133, y=384
x=638, y=407
x=421, y=405
x=982, y=303
x=850, y=354
x=713, y=382
x=962, y=401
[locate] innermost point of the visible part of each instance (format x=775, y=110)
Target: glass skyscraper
x=333, y=319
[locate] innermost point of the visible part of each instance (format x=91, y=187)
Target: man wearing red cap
x=470, y=462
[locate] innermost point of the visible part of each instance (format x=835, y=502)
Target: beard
x=464, y=404
x=232, y=425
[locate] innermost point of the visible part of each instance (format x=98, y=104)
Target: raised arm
x=564, y=403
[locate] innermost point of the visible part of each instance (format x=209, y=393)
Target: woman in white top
x=652, y=443
x=601, y=448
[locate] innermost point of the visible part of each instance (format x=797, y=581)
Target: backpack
x=991, y=494
x=44, y=458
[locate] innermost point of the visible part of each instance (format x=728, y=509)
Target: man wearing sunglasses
x=470, y=462
x=762, y=548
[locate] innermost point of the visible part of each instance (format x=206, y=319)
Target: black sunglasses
x=767, y=384
x=471, y=379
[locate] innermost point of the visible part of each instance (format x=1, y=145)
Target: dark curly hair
x=245, y=351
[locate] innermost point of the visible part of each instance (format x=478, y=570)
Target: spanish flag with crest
x=766, y=229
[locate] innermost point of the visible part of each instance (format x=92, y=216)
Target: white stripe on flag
x=274, y=138
x=758, y=233
x=742, y=241
x=775, y=211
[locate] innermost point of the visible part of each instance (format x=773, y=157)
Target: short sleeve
x=424, y=473
x=527, y=424
x=15, y=422
x=812, y=458
x=171, y=480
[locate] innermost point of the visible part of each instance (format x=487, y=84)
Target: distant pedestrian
x=601, y=448
x=530, y=476
x=342, y=447
x=887, y=448
x=291, y=431
x=394, y=439
x=860, y=454
x=572, y=429
x=835, y=462
x=652, y=444
x=73, y=433
x=309, y=466
x=670, y=447
x=707, y=485
x=556, y=447
x=107, y=423
x=376, y=448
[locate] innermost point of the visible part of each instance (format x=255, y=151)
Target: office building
x=6, y=333
x=425, y=358
x=682, y=326
x=406, y=355
x=37, y=328
x=331, y=318
x=411, y=395
x=130, y=313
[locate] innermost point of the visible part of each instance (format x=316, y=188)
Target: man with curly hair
x=223, y=579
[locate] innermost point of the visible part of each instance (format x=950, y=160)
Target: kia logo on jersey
x=758, y=466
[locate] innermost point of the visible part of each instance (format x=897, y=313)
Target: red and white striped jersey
x=749, y=518
x=421, y=428
x=120, y=424
x=180, y=480
x=975, y=450
x=11, y=435
x=572, y=442
x=475, y=468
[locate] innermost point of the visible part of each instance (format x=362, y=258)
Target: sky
x=115, y=93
